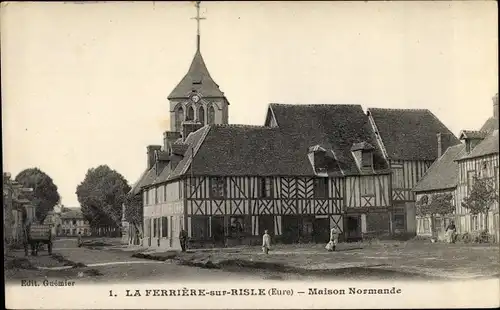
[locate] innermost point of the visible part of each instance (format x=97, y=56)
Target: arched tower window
x=201, y=115
x=179, y=117
x=211, y=114
x=190, y=113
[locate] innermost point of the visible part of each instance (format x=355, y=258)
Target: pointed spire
x=198, y=19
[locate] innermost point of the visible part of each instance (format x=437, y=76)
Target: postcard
x=250, y=155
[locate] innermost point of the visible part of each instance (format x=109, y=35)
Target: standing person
x=183, y=236
x=79, y=239
x=334, y=238
x=450, y=232
x=266, y=242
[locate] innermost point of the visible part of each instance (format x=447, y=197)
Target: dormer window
x=363, y=155
x=322, y=160
x=472, y=138
x=367, y=159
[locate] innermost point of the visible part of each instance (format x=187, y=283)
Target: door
x=321, y=230
x=353, y=228
x=218, y=230
x=266, y=222
x=290, y=229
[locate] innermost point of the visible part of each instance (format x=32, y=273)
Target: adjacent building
x=454, y=173
x=18, y=209
x=411, y=140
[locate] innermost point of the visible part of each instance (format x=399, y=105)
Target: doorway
x=218, y=230
x=353, y=231
x=321, y=230
x=291, y=231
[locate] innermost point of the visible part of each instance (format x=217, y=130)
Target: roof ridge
x=240, y=126
x=401, y=109
x=314, y=105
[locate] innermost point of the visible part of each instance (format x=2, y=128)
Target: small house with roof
x=455, y=172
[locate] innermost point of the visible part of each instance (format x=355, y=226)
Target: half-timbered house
x=308, y=169
x=454, y=173
x=411, y=140
x=441, y=178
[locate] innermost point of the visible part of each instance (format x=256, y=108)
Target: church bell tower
x=197, y=97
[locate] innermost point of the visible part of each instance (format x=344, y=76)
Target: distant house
x=53, y=219
x=411, y=140
x=74, y=223
x=454, y=173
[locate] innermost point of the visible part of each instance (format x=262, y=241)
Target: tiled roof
x=410, y=134
x=443, y=173
x=335, y=127
x=486, y=147
x=242, y=150
x=490, y=125
x=197, y=79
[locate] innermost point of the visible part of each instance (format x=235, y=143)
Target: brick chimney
x=440, y=144
x=170, y=137
x=151, y=154
x=495, y=106
x=189, y=127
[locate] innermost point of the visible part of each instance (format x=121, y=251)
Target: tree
x=134, y=214
x=439, y=204
x=45, y=195
x=482, y=195
x=101, y=195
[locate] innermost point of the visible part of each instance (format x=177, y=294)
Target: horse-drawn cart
x=37, y=234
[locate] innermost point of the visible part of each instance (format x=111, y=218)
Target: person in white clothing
x=266, y=242
x=334, y=238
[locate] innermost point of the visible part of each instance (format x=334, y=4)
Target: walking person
x=183, y=236
x=450, y=232
x=266, y=242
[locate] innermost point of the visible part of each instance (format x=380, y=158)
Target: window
x=74, y=222
x=426, y=224
x=238, y=226
x=266, y=190
x=367, y=186
x=211, y=114
x=201, y=115
x=200, y=227
x=85, y=231
x=164, y=227
x=367, y=159
x=398, y=178
x=190, y=114
x=179, y=117
x=470, y=180
x=155, y=192
x=399, y=221
x=474, y=222
x=217, y=187
x=145, y=198
x=155, y=223
x=321, y=188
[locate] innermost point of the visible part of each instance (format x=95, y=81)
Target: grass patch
x=18, y=263
x=67, y=262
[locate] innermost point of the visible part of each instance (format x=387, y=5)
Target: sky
x=86, y=84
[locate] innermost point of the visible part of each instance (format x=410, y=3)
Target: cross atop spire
x=198, y=19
